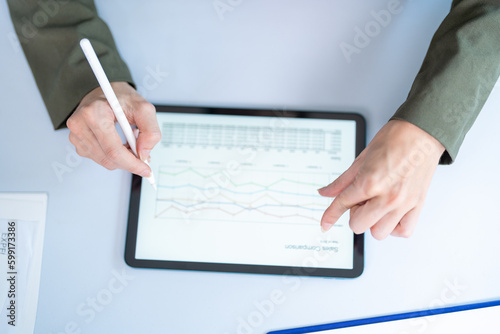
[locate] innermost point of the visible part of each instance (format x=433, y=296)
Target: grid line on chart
x=266, y=137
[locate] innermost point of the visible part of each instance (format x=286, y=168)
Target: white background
x=264, y=54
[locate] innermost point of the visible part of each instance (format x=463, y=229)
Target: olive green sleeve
x=49, y=33
x=458, y=73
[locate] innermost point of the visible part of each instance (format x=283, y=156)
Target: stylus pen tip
x=152, y=180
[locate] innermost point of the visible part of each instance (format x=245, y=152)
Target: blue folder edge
x=386, y=318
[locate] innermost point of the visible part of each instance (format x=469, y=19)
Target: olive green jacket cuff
x=458, y=73
x=49, y=33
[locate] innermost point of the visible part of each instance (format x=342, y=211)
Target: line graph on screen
x=247, y=195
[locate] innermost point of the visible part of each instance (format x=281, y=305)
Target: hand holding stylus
x=94, y=135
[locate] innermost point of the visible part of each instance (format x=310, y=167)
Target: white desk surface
x=263, y=54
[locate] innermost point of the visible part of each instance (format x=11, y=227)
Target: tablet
x=461, y=319
x=237, y=192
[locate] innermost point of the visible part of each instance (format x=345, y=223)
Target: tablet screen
x=242, y=190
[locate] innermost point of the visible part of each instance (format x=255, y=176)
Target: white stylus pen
x=96, y=66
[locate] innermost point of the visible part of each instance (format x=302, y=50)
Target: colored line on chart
x=248, y=208
x=237, y=192
x=234, y=214
x=205, y=176
x=246, y=204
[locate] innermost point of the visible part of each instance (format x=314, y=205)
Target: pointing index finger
x=351, y=196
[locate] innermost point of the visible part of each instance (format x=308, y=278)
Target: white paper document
x=22, y=226
x=481, y=320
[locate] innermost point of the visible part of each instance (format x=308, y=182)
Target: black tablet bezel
x=131, y=237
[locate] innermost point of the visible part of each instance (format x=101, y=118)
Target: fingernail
x=326, y=227
x=321, y=189
x=145, y=173
x=144, y=154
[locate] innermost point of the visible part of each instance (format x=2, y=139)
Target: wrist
x=418, y=137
